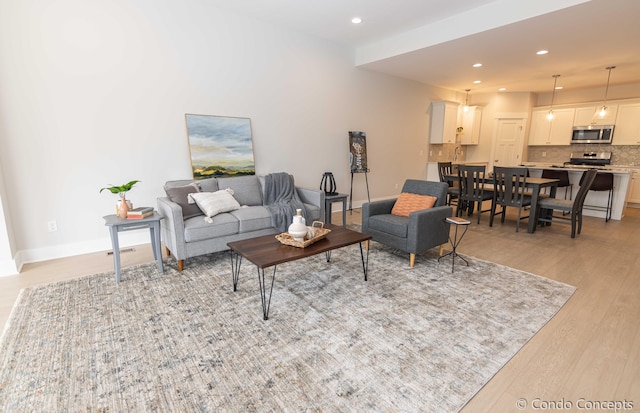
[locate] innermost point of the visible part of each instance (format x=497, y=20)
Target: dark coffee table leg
x=236, y=260
x=266, y=303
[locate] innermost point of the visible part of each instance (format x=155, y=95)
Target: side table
x=457, y=222
x=117, y=224
x=330, y=199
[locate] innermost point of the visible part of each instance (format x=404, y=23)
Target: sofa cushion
x=208, y=185
x=214, y=203
x=252, y=218
x=197, y=229
x=408, y=203
x=246, y=189
x=178, y=194
x=391, y=224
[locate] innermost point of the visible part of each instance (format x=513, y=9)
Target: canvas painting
x=220, y=146
x=358, y=151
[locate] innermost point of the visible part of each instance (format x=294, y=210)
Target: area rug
x=418, y=339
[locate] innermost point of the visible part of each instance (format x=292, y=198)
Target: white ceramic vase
x=298, y=228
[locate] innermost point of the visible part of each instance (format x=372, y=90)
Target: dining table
x=535, y=185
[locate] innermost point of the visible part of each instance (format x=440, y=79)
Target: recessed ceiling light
x=477, y=81
x=477, y=65
x=541, y=52
x=356, y=20
x=502, y=89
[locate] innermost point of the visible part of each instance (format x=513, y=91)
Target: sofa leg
x=366, y=245
x=441, y=250
x=166, y=250
x=180, y=265
x=412, y=259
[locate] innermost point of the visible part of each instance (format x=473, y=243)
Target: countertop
x=622, y=169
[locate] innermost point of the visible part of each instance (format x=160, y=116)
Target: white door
x=508, y=143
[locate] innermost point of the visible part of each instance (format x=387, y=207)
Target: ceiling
x=437, y=41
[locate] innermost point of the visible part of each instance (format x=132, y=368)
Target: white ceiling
x=437, y=41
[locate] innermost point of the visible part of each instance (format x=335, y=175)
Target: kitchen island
x=621, y=177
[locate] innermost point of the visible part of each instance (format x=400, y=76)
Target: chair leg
x=412, y=259
x=441, y=252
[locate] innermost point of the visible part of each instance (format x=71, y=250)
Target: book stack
x=139, y=213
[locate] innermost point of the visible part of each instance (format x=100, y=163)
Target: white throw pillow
x=214, y=203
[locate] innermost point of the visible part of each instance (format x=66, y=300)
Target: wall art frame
x=220, y=146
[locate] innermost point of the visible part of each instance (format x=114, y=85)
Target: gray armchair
x=417, y=233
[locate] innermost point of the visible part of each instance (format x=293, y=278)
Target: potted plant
x=123, y=206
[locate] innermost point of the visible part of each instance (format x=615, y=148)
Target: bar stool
x=603, y=182
x=563, y=176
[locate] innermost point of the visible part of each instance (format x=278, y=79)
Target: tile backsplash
x=620, y=155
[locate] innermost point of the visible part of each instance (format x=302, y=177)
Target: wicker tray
x=287, y=239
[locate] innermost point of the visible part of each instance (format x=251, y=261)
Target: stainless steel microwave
x=592, y=134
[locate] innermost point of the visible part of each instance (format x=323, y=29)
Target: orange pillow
x=408, y=203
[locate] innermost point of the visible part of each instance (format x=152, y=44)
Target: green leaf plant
x=120, y=189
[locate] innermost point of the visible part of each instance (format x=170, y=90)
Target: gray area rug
x=410, y=340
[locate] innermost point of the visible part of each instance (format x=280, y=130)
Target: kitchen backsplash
x=620, y=155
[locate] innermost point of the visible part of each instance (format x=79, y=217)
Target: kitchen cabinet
x=444, y=119
x=634, y=188
x=551, y=132
x=627, y=127
x=585, y=116
x=471, y=126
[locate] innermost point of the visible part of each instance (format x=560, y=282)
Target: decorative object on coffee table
x=298, y=228
x=123, y=206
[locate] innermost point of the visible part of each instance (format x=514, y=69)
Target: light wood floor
x=589, y=351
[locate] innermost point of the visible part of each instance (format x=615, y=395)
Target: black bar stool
x=563, y=176
x=603, y=182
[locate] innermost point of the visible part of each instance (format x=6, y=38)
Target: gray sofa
x=186, y=233
x=420, y=231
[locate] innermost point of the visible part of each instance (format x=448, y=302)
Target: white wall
x=94, y=93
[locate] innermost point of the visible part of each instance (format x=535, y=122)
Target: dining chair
x=471, y=181
x=509, y=190
x=546, y=206
x=445, y=169
x=602, y=182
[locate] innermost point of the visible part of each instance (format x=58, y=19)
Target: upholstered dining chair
x=445, y=169
x=546, y=206
x=509, y=190
x=471, y=181
x=408, y=223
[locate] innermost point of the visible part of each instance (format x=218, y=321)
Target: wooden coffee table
x=267, y=251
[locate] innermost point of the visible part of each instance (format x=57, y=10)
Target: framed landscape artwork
x=358, y=151
x=220, y=146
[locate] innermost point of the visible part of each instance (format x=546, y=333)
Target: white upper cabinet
x=627, y=128
x=586, y=116
x=444, y=119
x=551, y=132
x=471, y=125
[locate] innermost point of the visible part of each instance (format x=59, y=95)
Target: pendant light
x=553, y=95
x=602, y=111
x=466, y=100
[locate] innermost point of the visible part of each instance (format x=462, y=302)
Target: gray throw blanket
x=282, y=199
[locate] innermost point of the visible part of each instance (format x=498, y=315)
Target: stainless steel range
x=590, y=158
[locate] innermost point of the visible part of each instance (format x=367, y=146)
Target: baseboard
x=126, y=239
x=8, y=267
